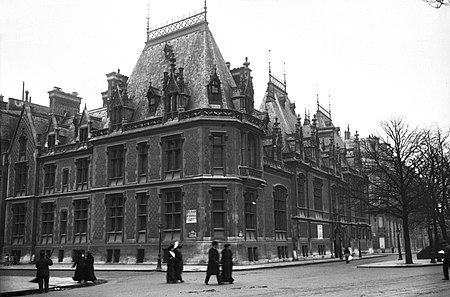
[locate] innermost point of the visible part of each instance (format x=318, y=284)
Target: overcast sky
x=369, y=60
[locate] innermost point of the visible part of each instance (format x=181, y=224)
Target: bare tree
x=390, y=162
x=434, y=169
x=438, y=3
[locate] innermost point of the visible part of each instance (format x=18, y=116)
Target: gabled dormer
x=242, y=97
x=52, y=132
x=120, y=110
x=153, y=97
x=84, y=127
x=175, y=97
x=214, y=90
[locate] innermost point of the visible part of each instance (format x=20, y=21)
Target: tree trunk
x=407, y=243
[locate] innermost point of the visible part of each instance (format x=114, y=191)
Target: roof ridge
x=177, y=26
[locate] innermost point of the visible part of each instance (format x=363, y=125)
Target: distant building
x=179, y=143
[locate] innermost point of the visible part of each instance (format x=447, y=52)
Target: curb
x=53, y=289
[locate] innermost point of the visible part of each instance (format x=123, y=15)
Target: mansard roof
x=192, y=45
x=277, y=104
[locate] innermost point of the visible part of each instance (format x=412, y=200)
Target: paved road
x=329, y=279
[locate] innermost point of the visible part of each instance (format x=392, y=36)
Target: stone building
x=178, y=152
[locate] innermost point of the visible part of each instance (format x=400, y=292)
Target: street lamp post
x=158, y=266
x=398, y=242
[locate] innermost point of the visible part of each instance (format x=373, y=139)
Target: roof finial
x=284, y=70
x=148, y=19
x=317, y=96
x=270, y=70
x=329, y=105
x=204, y=7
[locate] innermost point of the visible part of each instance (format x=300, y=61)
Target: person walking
x=89, y=274
x=227, y=264
x=213, y=263
x=178, y=262
x=446, y=248
x=169, y=258
x=43, y=272
x=347, y=255
x=80, y=269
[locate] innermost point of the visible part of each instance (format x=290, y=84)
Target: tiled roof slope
x=277, y=104
x=197, y=52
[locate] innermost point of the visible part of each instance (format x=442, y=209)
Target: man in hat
x=213, y=263
x=43, y=272
x=227, y=264
x=446, y=248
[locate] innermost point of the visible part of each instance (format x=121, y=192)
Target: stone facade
x=179, y=143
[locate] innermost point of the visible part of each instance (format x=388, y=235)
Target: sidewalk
x=21, y=285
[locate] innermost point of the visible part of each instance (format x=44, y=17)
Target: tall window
x=80, y=220
x=65, y=180
x=318, y=194
x=115, y=206
x=49, y=178
x=279, y=197
x=301, y=191
x=218, y=212
x=83, y=134
x=116, y=163
x=172, y=147
x=250, y=215
x=22, y=148
x=82, y=173
x=218, y=151
x=21, y=178
x=253, y=151
x=172, y=214
x=18, y=223
x=48, y=214
x=142, y=160
x=141, y=220
x=63, y=227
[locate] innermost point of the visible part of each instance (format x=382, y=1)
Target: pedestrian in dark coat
x=227, y=264
x=43, y=272
x=347, y=255
x=80, y=269
x=169, y=258
x=89, y=270
x=446, y=248
x=178, y=262
x=213, y=263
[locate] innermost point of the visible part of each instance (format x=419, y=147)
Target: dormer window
x=83, y=134
x=214, y=90
x=51, y=140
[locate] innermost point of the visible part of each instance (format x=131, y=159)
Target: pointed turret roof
x=192, y=46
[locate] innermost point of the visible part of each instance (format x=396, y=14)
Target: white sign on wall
x=191, y=216
x=319, y=231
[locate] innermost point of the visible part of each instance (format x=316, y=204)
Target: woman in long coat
x=178, y=262
x=89, y=271
x=213, y=263
x=80, y=267
x=169, y=258
x=227, y=264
